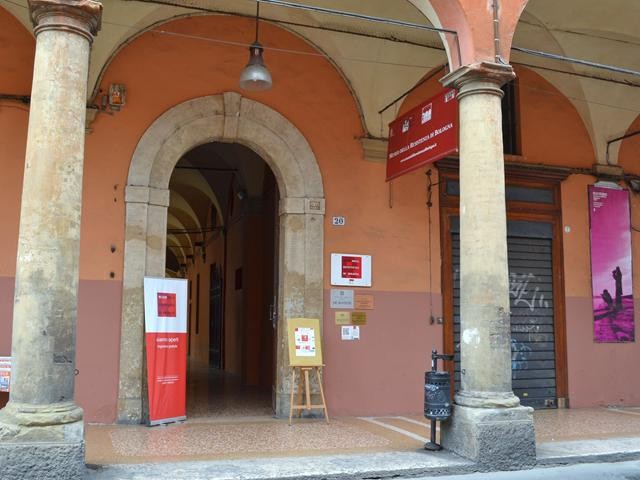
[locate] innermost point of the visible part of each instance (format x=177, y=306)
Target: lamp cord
x=257, y=17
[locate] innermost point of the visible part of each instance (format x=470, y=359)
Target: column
x=300, y=281
x=41, y=415
x=489, y=425
x=145, y=251
x=291, y=302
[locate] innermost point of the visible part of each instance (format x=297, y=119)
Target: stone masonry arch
x=230, y=118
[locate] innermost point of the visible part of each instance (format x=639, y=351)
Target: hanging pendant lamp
x=255, y=75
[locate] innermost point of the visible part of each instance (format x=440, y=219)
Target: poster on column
x=5, y=374
x=165, y=320
x=611, y=273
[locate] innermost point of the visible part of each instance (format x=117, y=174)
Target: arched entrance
x=226, y=118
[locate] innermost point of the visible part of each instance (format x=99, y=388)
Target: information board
x=305, y=342
x=341, y=298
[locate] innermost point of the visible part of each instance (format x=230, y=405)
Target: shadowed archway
x=226, y=118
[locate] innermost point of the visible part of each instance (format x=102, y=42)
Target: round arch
x=230, y=118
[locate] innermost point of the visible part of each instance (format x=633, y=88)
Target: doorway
x=536, y=290
x=221, y=227
x=230, y=118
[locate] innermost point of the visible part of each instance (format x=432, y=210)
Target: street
x=600, y=471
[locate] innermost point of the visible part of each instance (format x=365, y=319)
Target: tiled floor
x=587, y=423
x=228, y=421
x=212, y=393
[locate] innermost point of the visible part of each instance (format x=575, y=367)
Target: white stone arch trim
x=230, y=118
x=227, y=118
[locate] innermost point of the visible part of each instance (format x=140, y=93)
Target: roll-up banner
x=165, y=312
x=611, y=272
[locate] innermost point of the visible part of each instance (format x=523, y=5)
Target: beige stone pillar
x=300, y=281
x=145, y=249
x=488, y=425
x=41, y=404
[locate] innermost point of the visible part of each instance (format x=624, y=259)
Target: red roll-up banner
x=165, y=311
x=424, y=134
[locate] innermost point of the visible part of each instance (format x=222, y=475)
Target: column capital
x=484, y=77
x=82, y=17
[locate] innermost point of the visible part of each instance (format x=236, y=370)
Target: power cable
x=285, y=50
x=290, y=51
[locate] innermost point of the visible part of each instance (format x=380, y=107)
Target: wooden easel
x=307, y=392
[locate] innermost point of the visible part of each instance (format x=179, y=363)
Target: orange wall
x=234, y=300
x=629, y=148
x=552, y=132
x=17, y=50
x=161, y=71
x=597, y=371
x=200, y=341
x=384, y=373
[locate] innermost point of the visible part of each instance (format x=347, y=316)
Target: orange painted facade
x=382, y=372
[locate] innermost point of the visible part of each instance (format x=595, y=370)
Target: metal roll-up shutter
x=529, y=246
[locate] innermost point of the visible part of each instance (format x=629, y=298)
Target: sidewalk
x=365, y=447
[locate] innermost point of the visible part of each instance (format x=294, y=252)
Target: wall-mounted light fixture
x=203, y=250
x=117, y=96
x=255, y=75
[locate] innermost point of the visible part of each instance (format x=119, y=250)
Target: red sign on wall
x=166, y=305
x=351, y=267
x=423, y=135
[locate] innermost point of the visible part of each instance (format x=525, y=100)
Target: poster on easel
x=305, y=342
x=165, y=312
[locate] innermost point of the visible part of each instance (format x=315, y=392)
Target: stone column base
x=42, y=460
x=53, y=423
x=494, y=438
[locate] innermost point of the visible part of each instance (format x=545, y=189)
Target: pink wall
x=383, y=372
x=98, y=348
x=598, y=372
x=6, y=314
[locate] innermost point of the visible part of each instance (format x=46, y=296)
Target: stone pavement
x=362, y=466
x=348, y=448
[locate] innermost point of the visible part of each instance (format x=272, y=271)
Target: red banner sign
x=423, y=135
x=351, y=267
x=166, y=305
x=166, y=337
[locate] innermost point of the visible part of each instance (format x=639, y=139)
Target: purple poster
x=611, y=265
